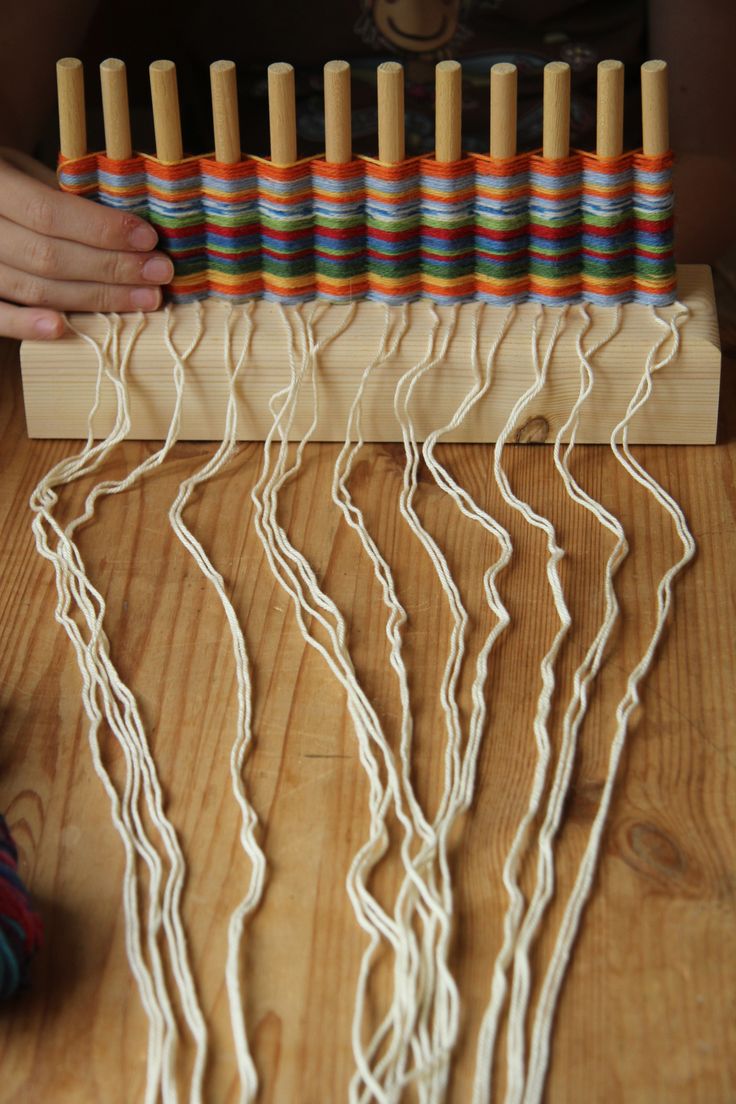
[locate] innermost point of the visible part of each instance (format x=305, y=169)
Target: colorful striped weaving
x=285, y=208
x=607, y=230
x=554, y=229
x=500, y=231
x=176, y=210
x=392, y=222
x=232, y=229
x=447, y=228
x=654, y=258
x=80, y=175
x=339, y=230
x=123, y=184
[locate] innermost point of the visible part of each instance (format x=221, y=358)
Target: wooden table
x=647, y=1011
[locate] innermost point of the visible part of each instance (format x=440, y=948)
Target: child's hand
x=60, y=252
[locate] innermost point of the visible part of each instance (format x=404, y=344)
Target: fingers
x=57, y=214
x=29, y=323
x=74, y=295
x=55, y=259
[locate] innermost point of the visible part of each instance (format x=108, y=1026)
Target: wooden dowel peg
x=556, y=124
x=115, y=110
x=282, y=113
x=338, y=120
x=448, y=111
x=610, y=109
x=225, y=117
x=166, y=118
x=654, y=114
x=503, y=110
x=72, y=120
x=391, y=148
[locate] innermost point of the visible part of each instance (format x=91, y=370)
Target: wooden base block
x=59, y=377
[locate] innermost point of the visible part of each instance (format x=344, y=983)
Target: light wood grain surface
x=59, y=380
x=647, y=1011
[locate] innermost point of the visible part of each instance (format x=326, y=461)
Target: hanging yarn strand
x=513, y=915
x=221, y=457
x=397, y=617
x=42, y=502
x=440, y=1020
x=121, y=713
x=574, y=713
x=393, y=628
x=291, y=573
x=544, y=1015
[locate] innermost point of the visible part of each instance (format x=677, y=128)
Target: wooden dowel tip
x=72, y=118
x=282, y=113
x=503, y=87
x=115, y=110
x=654, y=108
x=448, y=111
x=656, y=65
x=338, y=113
x=166, y=119
x=556, y=111
x=610, y=109
x=391, y=126
x=225, y=115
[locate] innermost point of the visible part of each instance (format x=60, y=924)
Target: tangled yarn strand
x=512, y=918
x=544, y=1015
x=574, y=712
x=223, y=454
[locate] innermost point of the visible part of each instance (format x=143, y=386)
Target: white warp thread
x=460, y=796
x=293, y=574
x=244, y=735
x=99, y=676
x=414, y=1041
x=439, y=1024
x=395, y=1055
x=544, y=1014
x=512, y=918
x=573, y=717
x=298, y=579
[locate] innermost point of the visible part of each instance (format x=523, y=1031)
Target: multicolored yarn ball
x=20, y=926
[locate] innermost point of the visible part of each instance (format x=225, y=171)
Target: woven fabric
x=176, y=209
x=232, y=229
x=338, y=196
x=653, y=210
x=285, y=211
x=581, y=227
x=554, y=229
x=607, y=230
x=502, y=229
x=447, y=254
x=392, y=222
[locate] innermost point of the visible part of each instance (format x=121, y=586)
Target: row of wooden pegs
x=338, y=135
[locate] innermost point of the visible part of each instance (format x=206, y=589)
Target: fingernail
x=144, y=298
x=159, y=270
x=143, y=236
x=47, y=326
